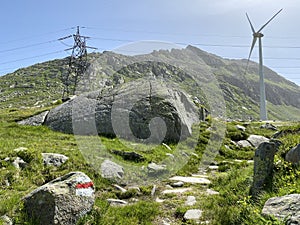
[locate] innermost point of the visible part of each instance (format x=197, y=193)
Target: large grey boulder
x=293, y=155
x=61, y=201
x=284, y=208
x=141, y=110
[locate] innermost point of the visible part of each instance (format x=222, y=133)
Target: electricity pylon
x=78, y=63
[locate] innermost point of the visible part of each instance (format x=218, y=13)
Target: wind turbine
x=258, y=35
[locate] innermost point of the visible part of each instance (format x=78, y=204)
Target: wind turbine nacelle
x=258, y=35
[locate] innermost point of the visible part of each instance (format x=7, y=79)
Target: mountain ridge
x=41, y=84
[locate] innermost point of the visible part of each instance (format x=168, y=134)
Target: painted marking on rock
x=85, y=189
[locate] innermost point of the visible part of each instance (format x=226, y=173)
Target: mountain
x=210, y=80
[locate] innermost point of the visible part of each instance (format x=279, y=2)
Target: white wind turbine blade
x=269, y=21
x=252, y=47
x=252, y=28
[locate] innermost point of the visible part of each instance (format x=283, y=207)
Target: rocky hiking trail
x=184, y=192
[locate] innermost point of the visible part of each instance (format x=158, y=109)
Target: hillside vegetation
x=197, y=72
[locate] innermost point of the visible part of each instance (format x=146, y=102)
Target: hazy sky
x=30, y=28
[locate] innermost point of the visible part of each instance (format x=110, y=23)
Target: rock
x=268, y=126
x=167, y=146
x=193, y=214
x=211, y=192
x=263, y=166
x=119, y=188
x=117, y=201
x=284, y=208
x=36, y=120
x=293, y=155
x=111, y=170
x=213, y=167
x=177, y=184
x=61, y=201
x=20, y=149
x=140, y=110
x=153, y=190
x=155, y=169
x=131, y=156
x=19, y=163
x=256, y=140
x=190, y=201
x=177, y=191
x=6, y=220
x=239, y=127
x=193, y=180
x=244, y=143
x=54, y=159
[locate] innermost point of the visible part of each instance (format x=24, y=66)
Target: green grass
x=232, y=206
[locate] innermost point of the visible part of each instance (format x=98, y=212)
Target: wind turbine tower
x=258, y=35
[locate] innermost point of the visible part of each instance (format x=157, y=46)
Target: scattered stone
x=54, y=159
x=293, y=155
x=19, y=163
x=284, y=208
x=131, y=156
x=167, y=146
x=193, y=214
x=166, y=221
x=20, y=149
x=170, y=155
x=256, y=140
x=119, y=188
x=263, y=166
x=111, y=170
x=6, y=220
x=36, y=120
x=211, y=192
x=213, y=167
x=116, y=201
x=7, y=184
x=193, y=180
x=154, y=169
x=190, y=201
x=61, y=201
x=177, y=191
x=268, y=126
x=177, y=184
x=158, y=200
x=153, y=190
x=243, y=143
x=240, y=127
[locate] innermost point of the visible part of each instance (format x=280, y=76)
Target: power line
x=32, y=57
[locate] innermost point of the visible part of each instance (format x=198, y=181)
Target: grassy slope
x=232, y=206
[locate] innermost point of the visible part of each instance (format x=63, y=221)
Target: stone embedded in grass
x=116, y=201
x=256, y=140
x=193, y=180
x=54, y=159
x=190, y=201
x=284, y=208
x=177, y=191
x=61, y=201
x=244, y=143
x=36, y=120
x=19, y=163
x=111, y=170
x=293, y=155
x=193, y=214
x=155, y=169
